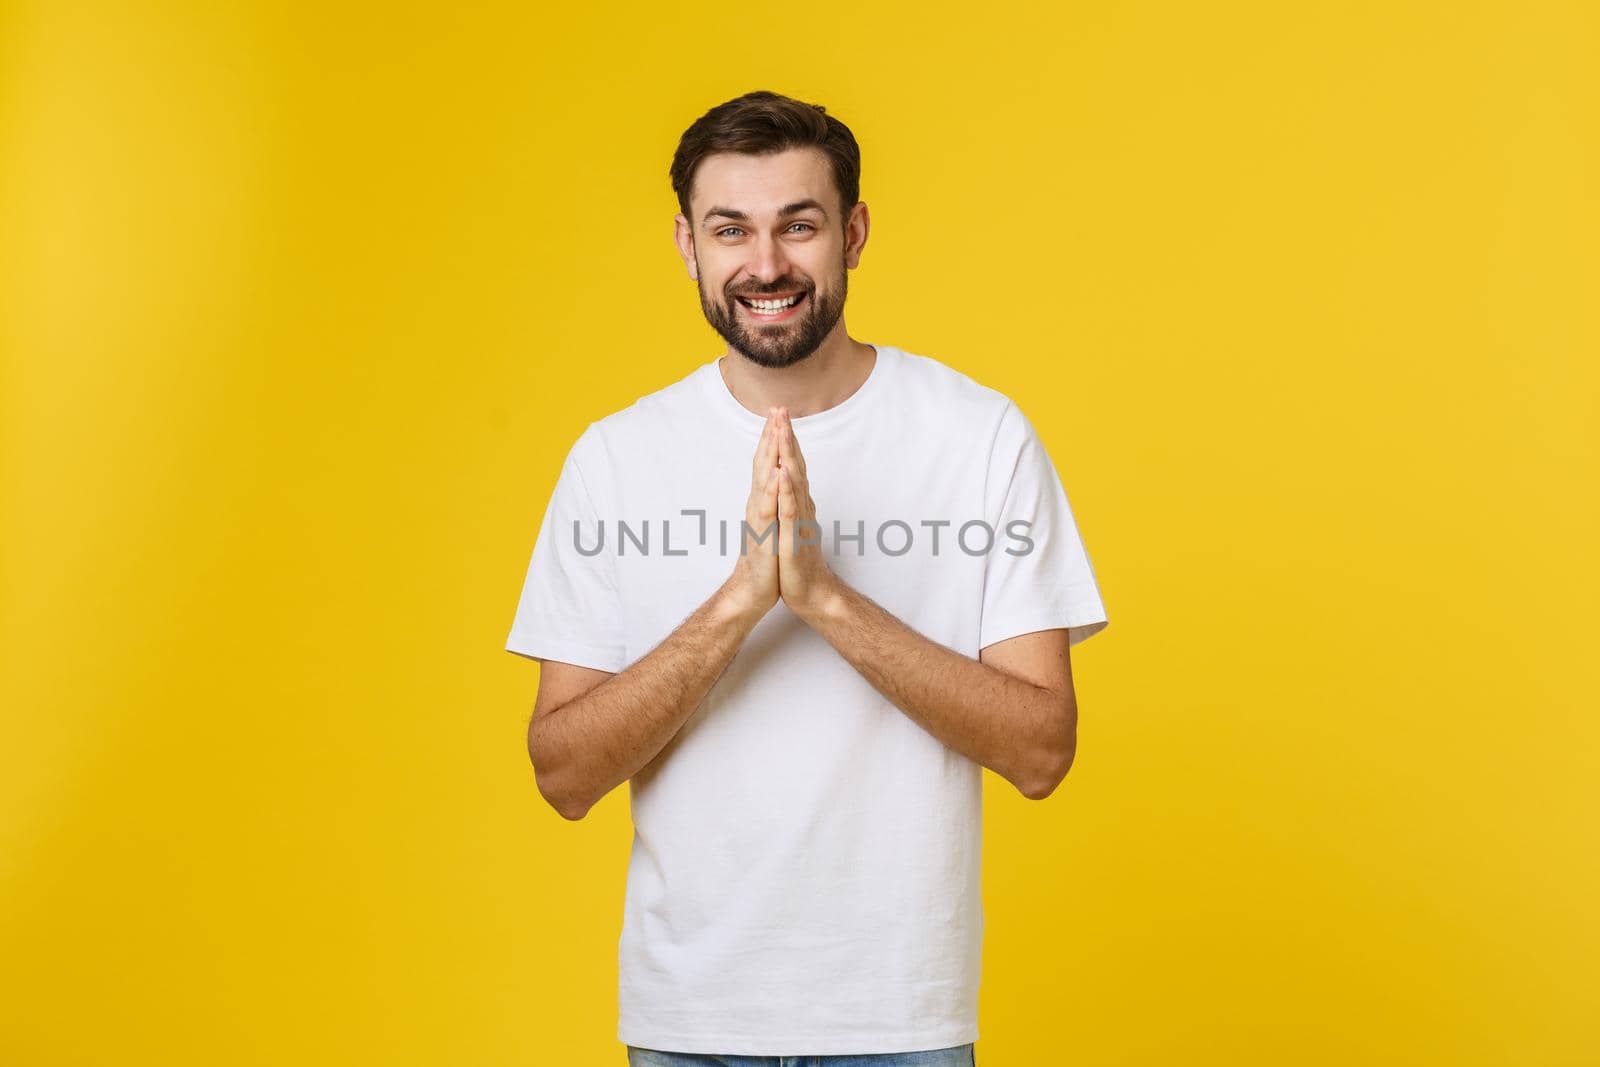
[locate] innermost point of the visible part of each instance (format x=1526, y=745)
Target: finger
x=760, y=483
x=789, y=450
x=780, y=440
x=769, y=457
x=767, y=510
x=762, y=460
x=793, y=461
x=773, y=544
x=772, y=439
x=796, y=469
x=797, y=457
x=788, y=504
x=786, y=514
x=755, y=459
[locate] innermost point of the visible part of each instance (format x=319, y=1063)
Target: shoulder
x=961, y=401
x=644, y=422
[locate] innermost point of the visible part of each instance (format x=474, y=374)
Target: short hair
x=765, y=123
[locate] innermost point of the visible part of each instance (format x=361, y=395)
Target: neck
x=827, y=377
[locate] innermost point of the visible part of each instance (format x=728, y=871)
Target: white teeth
x=774, y=305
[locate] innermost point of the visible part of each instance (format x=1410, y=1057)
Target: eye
x=807, y=225
x=726, y=229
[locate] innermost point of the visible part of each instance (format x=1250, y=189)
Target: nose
x=768, y=263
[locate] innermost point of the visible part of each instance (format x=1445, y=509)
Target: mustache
x=772, y=291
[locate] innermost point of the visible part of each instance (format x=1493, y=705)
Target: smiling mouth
x=771, y=309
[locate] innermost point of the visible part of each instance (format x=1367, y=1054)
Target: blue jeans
x=956, y=1056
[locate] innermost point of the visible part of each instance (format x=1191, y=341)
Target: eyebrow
x=787, y=209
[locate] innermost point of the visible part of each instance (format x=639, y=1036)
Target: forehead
x=761, y=184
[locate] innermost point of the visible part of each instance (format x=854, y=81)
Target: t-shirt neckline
x=809, y=425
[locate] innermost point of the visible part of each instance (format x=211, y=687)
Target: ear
x=683, y=236
x=855, y=234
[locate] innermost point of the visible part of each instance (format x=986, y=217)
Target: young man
x=798, y=600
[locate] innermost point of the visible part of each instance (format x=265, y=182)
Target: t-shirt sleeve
x=1038, y=575
x=570, y=609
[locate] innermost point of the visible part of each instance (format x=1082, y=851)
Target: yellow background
x=301, y=309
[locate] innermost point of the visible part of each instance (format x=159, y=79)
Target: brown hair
x=762, y=123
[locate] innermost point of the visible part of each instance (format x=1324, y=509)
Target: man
x=798, y=600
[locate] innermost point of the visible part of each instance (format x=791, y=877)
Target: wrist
x=826, y=605
x=732, y=607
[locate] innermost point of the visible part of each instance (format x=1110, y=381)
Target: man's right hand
x=754, y=583
x=610, y=727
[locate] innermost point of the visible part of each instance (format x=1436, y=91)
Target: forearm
x=592, y=744
x=1021, y=731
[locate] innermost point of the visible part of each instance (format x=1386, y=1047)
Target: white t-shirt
x=804, y=876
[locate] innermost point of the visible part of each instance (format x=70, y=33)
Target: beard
x=779, y=344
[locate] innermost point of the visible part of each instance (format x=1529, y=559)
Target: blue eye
x=735, y=229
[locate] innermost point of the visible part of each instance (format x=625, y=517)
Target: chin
x=775, y=361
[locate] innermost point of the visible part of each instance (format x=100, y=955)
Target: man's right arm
x=584, y=746
x=591, y=731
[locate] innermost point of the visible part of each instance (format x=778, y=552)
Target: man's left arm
x=1012, y=710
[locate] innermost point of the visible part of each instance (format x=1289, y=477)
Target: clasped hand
x=781, y=551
